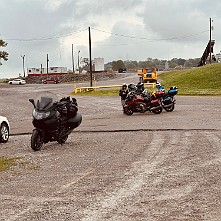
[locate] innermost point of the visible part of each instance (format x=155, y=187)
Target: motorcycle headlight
x=40, y=115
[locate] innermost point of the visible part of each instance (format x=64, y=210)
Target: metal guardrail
x=81, y=89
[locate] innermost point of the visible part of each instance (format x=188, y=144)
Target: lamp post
x=79, y=61
x=23, y=63
x=72, y=57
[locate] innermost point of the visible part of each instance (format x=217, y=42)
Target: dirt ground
x=114, y=167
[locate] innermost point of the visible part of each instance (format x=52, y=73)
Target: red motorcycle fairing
x=155, y=102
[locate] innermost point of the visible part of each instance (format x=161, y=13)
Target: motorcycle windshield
x=44, y=104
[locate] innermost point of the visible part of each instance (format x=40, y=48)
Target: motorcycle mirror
x=32, y=101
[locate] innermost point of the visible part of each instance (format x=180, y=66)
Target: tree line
x=153, y=63
x=3, y=54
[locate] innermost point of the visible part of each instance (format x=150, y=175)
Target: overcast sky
x=120, y=29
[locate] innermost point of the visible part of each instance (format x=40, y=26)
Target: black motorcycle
x=53, y=120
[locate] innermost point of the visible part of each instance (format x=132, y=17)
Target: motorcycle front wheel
x=128, y=111
x=170, y=109
x=36, y=140
x=157, y=111
x=63, y=139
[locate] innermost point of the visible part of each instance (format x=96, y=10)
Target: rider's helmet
x=158, y=85
x=140, y=86
x=173, y=88
x=124, y=86
x=132, y=87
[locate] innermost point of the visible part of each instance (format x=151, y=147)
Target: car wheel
x=4, y=133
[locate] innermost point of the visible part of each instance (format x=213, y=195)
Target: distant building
x=99, y=64
x=43, y=71
x=218, y=57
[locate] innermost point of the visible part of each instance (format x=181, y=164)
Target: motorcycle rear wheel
x=170, y=109
x=157, y=111
x=36, y=140
x=128, y=111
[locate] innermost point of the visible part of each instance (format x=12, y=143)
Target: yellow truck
x=147, y=75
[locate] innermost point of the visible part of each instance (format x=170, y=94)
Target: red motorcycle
x=141, y=103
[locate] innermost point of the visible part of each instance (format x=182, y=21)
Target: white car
x=4, y=129
x=17, y=81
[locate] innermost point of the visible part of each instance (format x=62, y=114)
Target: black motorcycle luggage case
x=172, y=92
x=75, y=121
x=72, y=110
x=167, y=100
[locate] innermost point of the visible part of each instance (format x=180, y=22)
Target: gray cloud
x=184, y=26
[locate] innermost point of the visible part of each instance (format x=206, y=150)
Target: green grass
x=204, y=80
x=17, y=163
x=110, y=92
x=7, y=162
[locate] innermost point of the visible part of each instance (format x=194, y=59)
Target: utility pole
x=23, y=63
x=90, y=60
x=47, y=65
x=79, y=62
x=73, y=57
x=41, y=69
x=210, y=39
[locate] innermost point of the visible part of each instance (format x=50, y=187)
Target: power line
x=154, y=39
x=44, y=38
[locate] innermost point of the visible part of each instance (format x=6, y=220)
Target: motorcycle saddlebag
x=71, y=110
x=167, y=100
x=75, y=121
x=172, y=92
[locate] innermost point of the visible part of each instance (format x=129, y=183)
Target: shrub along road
x=114, y=167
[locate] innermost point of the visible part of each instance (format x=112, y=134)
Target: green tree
x=114, y=65
x=188, y=64
x=3, y=54
x=172, y=64
x=143, y=64
x=118, y=64
x=131, y=64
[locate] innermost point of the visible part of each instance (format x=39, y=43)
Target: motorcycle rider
x=123, y=93
x=159, y=87
x=140, y=87
x=132, y=87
